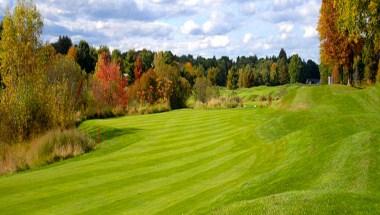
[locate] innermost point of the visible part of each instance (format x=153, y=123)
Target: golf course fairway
x=314, y=151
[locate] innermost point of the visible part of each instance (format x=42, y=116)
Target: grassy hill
x=315, y=151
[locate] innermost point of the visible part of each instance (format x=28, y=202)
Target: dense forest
x=224, y=71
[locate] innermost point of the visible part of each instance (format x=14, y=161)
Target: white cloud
x=210, y=27
x=249, y=8
x=286, y=27
x=310, y=32
x=247, y=38
x=190, y=27
x=218, y=41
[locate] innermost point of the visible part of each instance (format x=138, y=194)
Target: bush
x=66, y=86
x=150, y=108
x=53, y=146
x=203, y=91
x=221, y=102
x=59, y=145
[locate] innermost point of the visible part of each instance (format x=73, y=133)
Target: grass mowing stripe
x=130, y=193
x=210, y=148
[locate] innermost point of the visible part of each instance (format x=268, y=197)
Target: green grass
x=314, y=152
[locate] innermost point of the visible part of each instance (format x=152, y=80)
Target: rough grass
x=54, y=146
x=322, y=158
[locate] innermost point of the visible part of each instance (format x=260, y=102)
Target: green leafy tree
x=103, y=49
x=147, y=58
x=282, y=54
x=282, y=67
x=66, y=86
x=181, y=87
x=85, y=57
x=274, y=74
x=129, y=64
x=63, y=44
x=212, y=74
x=203, y=90
x=232, y=78
x=295, y=69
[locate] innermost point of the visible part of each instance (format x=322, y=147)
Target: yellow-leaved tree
x=21, y=70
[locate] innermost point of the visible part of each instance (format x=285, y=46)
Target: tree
x=337, y=49
x=171, y=72
x=282, y=54
x=325, y=71
x=138, y=71
x=72, y=53
x=63, y=45
x=312, y=70
x=246, y=77
x=147, y=58
x=378, y=73
x=85, y=57
x=232, y=78
x=224, y=64
x=66, y=86
x=282, y=67
x=109, y=84
x=361, y=21
x=212, y=74
x=129, y=64
x=295, y=69
x=274, y=74
x=1, y=30
x=203, y=90
x=116, y=56
x=23, y=106
x=104, y=49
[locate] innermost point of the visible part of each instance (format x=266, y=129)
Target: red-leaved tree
x=109, y=84
x=138, y=68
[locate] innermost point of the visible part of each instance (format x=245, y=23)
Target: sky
x=198, y=27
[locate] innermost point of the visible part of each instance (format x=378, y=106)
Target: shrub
x=66, y=86
x=221, y=102
x=203, y=90
x=150, y=108
x=59, y=145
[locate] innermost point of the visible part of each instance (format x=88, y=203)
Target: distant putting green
x=316, y=151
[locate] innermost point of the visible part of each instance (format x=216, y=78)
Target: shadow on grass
x=105, y=133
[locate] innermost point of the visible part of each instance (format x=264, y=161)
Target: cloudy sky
x=198, y=27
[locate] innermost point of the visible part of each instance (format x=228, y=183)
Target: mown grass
x=315, y=151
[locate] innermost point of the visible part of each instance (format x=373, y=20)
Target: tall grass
x=220, y=102
x=53, y=146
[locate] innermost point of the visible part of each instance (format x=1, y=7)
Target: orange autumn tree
x=109, y=84
x=337, y=50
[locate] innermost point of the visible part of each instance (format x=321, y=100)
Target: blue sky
x=198, y=27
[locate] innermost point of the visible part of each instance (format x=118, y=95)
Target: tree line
x=350, y=41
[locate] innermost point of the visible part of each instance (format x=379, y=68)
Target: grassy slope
x=315, y=152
